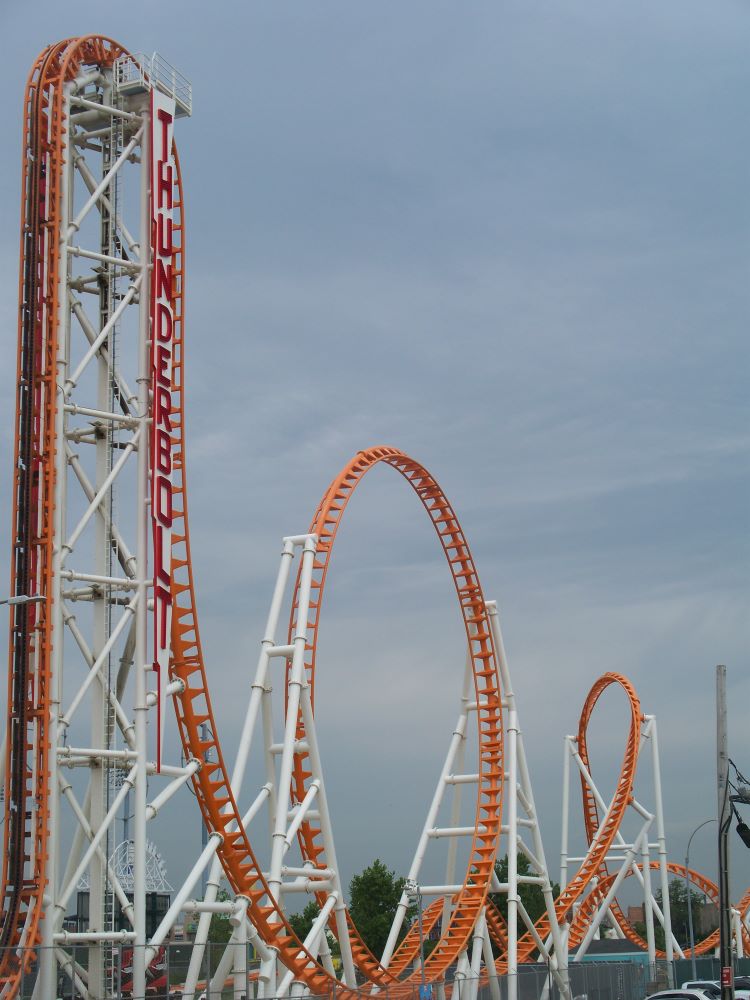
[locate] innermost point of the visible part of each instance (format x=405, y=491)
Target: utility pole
x=689, y=895
x=725, y=818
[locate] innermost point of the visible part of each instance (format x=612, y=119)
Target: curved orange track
x=591, y=821
x=594, y=860
x=594, y=865
x=469, y=900
x=706, y=886
x=212, y=783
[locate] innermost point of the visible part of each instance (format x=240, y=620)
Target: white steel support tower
x=104, y=700
x=629, y=854
x=524, y=838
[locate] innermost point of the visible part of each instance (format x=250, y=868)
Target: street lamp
x=743, y=796
x=415, y=894
x=689, y=895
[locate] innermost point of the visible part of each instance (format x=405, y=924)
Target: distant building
x=707, y=918
x=615, y=950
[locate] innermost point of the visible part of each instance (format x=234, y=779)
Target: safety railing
x=138, y=73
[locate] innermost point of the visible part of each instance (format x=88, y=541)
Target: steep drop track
x=26, y=833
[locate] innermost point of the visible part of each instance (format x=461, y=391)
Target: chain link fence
x=589, y=980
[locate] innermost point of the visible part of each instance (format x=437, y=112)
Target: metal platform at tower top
x=139, y=73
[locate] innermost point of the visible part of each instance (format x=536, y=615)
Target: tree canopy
x=220, y=928
x=302, y=922
x=678, y=915
x=373, y=898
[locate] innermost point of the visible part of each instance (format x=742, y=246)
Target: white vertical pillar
x=347, y=960
x=512, y=800
x=737, y=932
x=477, y=940
x=455, y=751
x=524, y=789
x=258, y=698
x=143, y=508
x=662, y=842
x=565, y=825
x=648, y=904
x=240, y=950
x=467, y=693
x=294, y=697
x=489, y=964
x=48, y=965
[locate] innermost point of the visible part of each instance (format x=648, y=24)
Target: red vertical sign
x=162, y=337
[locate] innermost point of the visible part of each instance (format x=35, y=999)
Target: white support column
x=326, y=826
x=737, y=932
x=79, y=837
x=512, y=800
x=489, y=964
x=98, y=706
x=316, y=932
x=142, y=513
x=457, y=742
x=240, y=949
x=216, y=985
x=47, y=982
x=467, y=692
x=662, y=841
x=477, y=940
x=255, y=703
x=259, y=683
x=639, y=872
x=524, y=792
x=648, y=903
x=603, y=908
x=565, y=823
x=460, y=989
x=294, y=696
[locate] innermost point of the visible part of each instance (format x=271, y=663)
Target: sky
x=511, y=239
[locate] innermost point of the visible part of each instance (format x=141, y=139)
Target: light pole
x=415, y=893
x=689, y=895
x=725, y=819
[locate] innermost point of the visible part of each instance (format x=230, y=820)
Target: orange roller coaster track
x=213, y=786
x=102, y=569
x=26, y=828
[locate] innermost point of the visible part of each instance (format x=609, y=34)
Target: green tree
x=678, y=915
x=373, y=898
x=220, y=928
x=302, y=922
x=530, y=895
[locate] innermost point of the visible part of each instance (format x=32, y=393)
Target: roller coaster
x=103, y=601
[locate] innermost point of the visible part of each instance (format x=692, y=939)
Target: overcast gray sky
x=510, y=238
